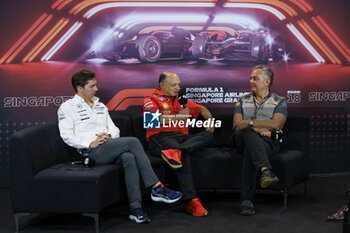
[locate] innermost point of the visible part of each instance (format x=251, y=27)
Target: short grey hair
x=266, y=72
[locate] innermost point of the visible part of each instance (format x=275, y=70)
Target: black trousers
x=256, y=151
x=187, y=144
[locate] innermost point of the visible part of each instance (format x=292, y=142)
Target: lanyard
x=258, y=107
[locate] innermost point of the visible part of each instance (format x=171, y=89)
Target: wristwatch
x=251, y=123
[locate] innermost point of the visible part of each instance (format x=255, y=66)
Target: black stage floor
x=304, y=214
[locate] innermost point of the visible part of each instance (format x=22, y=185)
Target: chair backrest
x=123, y=122
x=296, y=133
x=37, y=148
x=139, y=131
x=41, y=147
x=222, y=133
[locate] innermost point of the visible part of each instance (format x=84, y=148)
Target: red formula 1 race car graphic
x=178, y=43
x=148, y=47
x=243, y=45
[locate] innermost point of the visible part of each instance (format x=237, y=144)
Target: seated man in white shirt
x=85, y=124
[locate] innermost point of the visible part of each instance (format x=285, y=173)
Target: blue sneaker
x=139, y=216
x=164, y=194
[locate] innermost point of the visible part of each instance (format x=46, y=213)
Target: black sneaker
x=164, y=194
x=247, y=208
x=139, y=216
x=267, y=178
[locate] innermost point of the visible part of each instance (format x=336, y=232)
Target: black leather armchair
x=42, y=182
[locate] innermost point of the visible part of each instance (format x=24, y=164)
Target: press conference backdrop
x=211, y=45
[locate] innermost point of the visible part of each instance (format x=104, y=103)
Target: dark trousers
x=187, y=144
x=256, y=151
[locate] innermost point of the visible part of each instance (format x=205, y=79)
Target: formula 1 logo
x=127, y=98
x=151, y=120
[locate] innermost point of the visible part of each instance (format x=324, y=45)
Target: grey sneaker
x=267, y=178
x=247, y=208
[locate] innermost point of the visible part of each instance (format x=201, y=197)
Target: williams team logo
x=151, y=120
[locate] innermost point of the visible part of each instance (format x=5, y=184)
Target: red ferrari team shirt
x=167, y=106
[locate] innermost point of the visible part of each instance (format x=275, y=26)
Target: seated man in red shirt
x=171, y=140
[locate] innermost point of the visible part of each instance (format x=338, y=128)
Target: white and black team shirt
x=79, y=123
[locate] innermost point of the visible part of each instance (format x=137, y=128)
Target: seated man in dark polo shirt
x=258, y=116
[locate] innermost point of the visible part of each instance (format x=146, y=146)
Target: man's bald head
x=164, y=75
x=169, y=83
